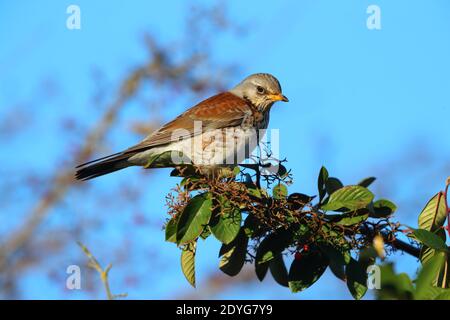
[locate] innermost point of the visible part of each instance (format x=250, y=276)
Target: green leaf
x=443, y=295
x=273, y=244
x=350, y=219
x=332, y=185
x=261, y=270
x=321, y=183
x=188, y=262
x=171, y=230
x=251, y=226
x=432, y=218
x=225, y=225
x=394, y=286
x=297, y=201
x=337, y=260
x=428, y=276
x=350, y=197
x=426, y=252
x=434, y=214
x=194, y=218
x=304, y=272
x=205, y=233
x=356, y=278
x=429, y=239
x=233, y=255
x=280, y=191
x=366, y=182
x=382, y=209
x=278, y=270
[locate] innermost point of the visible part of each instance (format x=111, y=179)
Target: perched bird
x=219, y=131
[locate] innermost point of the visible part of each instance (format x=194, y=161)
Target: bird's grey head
x=261, y=89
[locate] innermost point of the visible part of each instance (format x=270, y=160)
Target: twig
x=93, y=263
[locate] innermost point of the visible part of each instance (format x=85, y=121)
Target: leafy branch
x=345, y=228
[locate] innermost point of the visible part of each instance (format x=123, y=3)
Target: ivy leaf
x=321, y=183
x=225, y=225
x=194, y=218
x=350, y=197
x=382, y=209
x=278, y=270
x=233, y=255
x=356, y=278
x=188, y=262
x=304, y=272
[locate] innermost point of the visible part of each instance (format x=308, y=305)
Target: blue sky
x=359, y=98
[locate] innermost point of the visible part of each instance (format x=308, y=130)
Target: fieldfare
x=219, y=131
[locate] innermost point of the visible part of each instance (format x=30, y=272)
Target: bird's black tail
x=102, y=166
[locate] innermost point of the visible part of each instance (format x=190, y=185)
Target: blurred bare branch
x=177, y=73
x=104, y=273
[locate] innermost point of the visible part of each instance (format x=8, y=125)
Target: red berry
x=305, y=247
x=298, y=255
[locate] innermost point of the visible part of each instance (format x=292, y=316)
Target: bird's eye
x=260, y=89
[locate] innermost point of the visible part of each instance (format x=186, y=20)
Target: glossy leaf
x=366, y=182
x=429, y=239
x=278, y=270
x=171, y=230
x=321, y=183
x=188, y=262
x=337, y=260
x=297, y=201
x=428, y=276
x=433, y=215
x=194, y=218
x=356, y=278
x=233, y=255
x=225, y=225
x=382, y=209
x=304, y=272
x=353, y=218
x=350, y=197
x=332, y=185
x=432, y=218
x=273, y=244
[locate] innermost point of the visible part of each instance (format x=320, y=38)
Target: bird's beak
x=278, y=97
